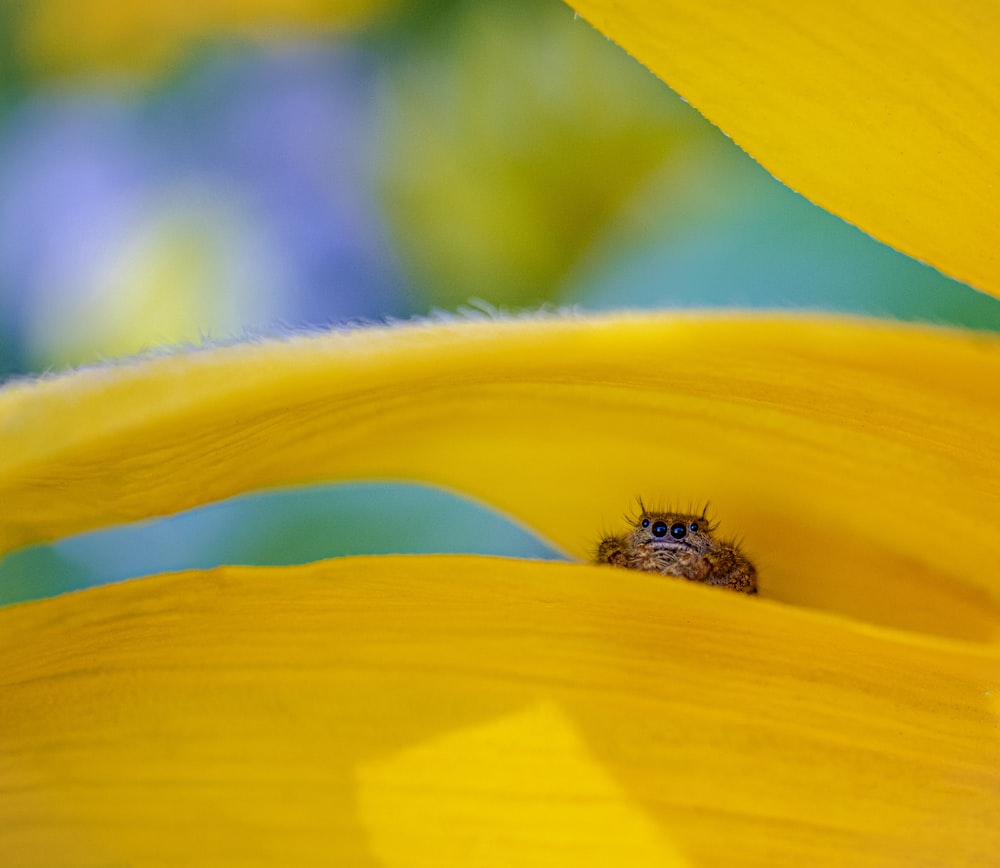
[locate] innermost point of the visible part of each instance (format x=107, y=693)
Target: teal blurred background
x=171, y=173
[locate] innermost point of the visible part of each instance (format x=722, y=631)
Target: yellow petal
x=858, y=460
x=884, y=113
x=376, y=710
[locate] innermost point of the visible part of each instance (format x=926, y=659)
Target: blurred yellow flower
x=56, y=36
x=481, y=711
x=530, y=135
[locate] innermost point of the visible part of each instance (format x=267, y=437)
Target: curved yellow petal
x=393, y=710
x=884, y=113
x=859, y=460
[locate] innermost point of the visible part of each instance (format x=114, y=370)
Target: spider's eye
x=660, y=528
x=693, y=527
x=677, y=530
x=645, y=522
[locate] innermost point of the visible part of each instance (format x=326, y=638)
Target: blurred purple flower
x=280, y=138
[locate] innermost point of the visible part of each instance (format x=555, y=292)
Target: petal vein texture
x=396, y=711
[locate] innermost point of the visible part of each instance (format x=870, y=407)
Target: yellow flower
x=52, y=36
x=480, y=711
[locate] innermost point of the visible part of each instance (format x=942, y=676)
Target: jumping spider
x=679, y=544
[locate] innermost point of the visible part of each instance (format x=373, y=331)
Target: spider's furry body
x=679, y=544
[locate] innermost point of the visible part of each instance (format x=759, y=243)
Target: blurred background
x=172, y=173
